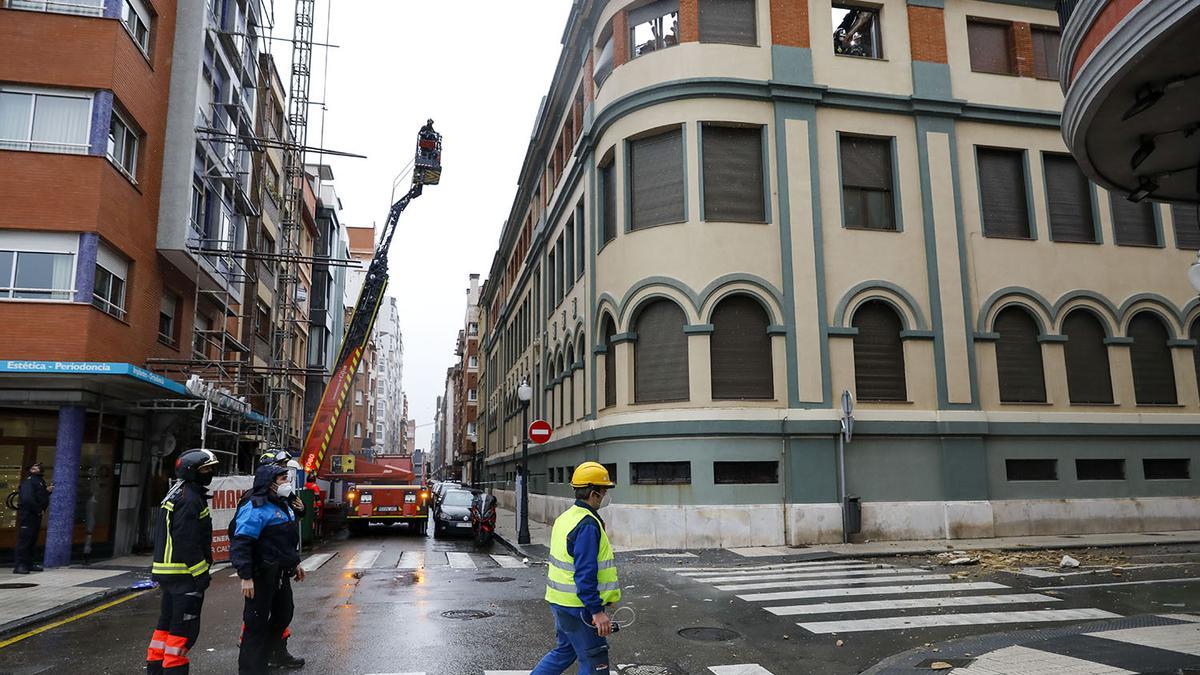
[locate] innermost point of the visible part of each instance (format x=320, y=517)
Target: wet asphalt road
x=386, y=619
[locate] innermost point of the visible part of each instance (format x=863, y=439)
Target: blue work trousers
x=577, y=639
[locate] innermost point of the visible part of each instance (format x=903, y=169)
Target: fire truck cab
x=388, y=504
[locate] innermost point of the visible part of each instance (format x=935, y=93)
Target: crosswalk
x=368, y=559
x=852, y=596
x=734, y=669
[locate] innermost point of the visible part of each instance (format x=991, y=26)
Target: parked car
x=452, y=513
x=441, y=487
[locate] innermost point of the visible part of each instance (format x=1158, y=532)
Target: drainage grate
x=708, y=634
x=493, y=580
x=15, y=586
x=466, y=614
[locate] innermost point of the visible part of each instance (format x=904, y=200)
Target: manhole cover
x=708, y=634
x=647, y=670
x=493, y=580
x=15, y=586
x=467, y=614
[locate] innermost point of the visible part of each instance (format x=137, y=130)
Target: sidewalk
x=538, y=548
x=27, y=600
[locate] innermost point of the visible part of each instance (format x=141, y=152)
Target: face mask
x=286, y=490
x=605, y=500
x=204, y=479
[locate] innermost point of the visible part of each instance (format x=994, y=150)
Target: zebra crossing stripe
x=460, y=561
x=812, y=575
x=872, y=590
x=1021, y=659
x=1183, y=637
x=363, y=560
x=507, y=561
x=931, y=620
x=908, y=603
x=411, y=560
x=687, y=571
x=314, y=562
x=742, y=669
x=840, y=583
x=705, y=576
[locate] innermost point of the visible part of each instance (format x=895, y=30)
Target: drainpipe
x=783, y=463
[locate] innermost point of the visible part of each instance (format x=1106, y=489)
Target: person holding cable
x=581, y=578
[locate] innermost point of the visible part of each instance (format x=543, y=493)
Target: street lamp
x=1194, y=274
x=524, y=395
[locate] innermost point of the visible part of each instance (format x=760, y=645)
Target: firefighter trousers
x=176, y=632
x=265, y=616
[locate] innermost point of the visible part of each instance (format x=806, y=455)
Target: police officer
x=263, y=549
x=281, y=657
x=182, y=556
x=34, y=500
x=581, y=578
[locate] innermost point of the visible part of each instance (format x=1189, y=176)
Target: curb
x=101, y=596
x=517, y=549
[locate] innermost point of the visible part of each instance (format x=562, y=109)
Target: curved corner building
x=731, y=211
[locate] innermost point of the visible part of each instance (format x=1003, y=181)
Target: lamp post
x=524, y=395
x=1194, y=274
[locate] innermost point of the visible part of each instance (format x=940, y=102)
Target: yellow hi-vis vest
x=560, y=574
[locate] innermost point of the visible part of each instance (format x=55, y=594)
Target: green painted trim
x=986, y=337
x=931, y=81
x=1154, y=298
x=578, y=365
x=1036, y=4
x=1029, y=211
x=917, y=335
x=1126, y=341
x=624, y=337
x=700, y=329
x=776, y=329
x=765, y=153
x=839, y=313
x=1052, y=339
x=841, y=331
x=935, y=4
x=593, y=251
x=925, y=126
x=963, y=273
x=791, y=65
x=787, y=302
x=986, y=309
x=702, y=298
x=1175, y=342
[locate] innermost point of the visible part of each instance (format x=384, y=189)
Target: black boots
x=20, y=569
x=284, y=659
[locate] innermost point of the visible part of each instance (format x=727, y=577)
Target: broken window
x=856, y=32
x=653, y=27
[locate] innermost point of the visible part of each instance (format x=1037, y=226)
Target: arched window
x=568, y=384
x=1019, y=358
x=741, y=350
x=610, y=363
x=1088, y=377
x=660, y=355
x=878, y=354
x=1153, y=369
x=1194, y=333
x=562, y=390
x=581, y=359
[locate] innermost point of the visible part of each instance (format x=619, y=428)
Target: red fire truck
x=388, y=504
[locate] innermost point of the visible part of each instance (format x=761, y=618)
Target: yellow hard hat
x=591, y=473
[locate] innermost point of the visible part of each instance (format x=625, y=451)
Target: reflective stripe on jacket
x=183, y=538
x=560, y=573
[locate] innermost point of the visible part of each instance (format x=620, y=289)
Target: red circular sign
x=539, y=431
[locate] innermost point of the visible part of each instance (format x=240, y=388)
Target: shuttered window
x=991, y=47
x=660, y=354
x=1133, y=223
x=733, y=174
x=867, y=185
x=1153, y=369
x=656, y=179
x=1069, y=199
x=1088, y=376
x=1045, y=52
x=1019, y=358
x=608, y=202
x=1002, y=193
x=1194, y=334
x=728, y=21
x=878, y=354
x=1187, y=225
x=610, y=364
x=741, y=351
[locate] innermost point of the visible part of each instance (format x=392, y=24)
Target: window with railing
x=77, y=7
x=45, y=121
x=36, y=274
x=168, y=319
x=653, y=27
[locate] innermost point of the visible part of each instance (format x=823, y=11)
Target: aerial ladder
x=329, y=421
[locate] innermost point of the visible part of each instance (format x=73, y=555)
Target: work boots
x=20, y=569
x=282, y=658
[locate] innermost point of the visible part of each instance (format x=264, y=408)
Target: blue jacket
x=583, y=543
x=266, y=533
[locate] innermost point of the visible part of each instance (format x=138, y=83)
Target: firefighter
x=581, y=578
x=182, y=556
x=263, y=549
x=34, y=499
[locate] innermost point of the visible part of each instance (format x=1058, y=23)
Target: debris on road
x=1068, y=561
x=940, y=665
x=956, y=558
x=984, y=562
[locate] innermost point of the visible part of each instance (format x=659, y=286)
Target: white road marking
x=460, y=561
x=667, y=555
x=363, y=560
x=1121, y=583
x=219, y=567
x=1026, y=660
x=707, y=576
x=836, y=574
x=314, y=562
x=872, y=590
x=507, y=561
x=928, y=620
x=1184, y=637
x=420, y=673
x=233, y=575
x=741, y=669
x=841, y=583
x=765, y=551
x=411, y=560
x=908, y=603
x=754, y=568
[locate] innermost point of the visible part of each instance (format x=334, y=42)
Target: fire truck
x=371, y=503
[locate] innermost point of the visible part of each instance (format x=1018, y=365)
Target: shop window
x=729, y=22
x=168, y=321
x=733, y=173
x=1019, y=358
x=1088, y=376
x=1166, y=468
x=660, y=473
x=1134, y=224
x=43, y=121
x=1187, y=225
x=136, y=19
x=1031, y=469
x=1100, y=469
x=867, y=183
x=1150, y=357
x=1045, y=52
x=657, y=187
x=745, y=473
x=741, y=358
x=1069, y=200
x=77, y=7
x=878, y=354
x=1002, y=193
x=660, y=354
x=37, y=266
x=608, y=202
x=991, y=47
x=856, y=32
x=123, y=145
x=653, y=27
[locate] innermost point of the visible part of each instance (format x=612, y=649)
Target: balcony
x=1131, y=79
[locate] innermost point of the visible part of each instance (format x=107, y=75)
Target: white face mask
x=286, y=491
x=606, y=499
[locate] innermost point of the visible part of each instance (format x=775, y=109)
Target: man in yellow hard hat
x=581, y=578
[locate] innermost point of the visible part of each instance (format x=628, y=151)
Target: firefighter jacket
x=266, y=534
x=183, y=539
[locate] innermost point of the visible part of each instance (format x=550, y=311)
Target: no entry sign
x=539, y=431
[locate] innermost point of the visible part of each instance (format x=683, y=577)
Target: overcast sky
x=479, y=68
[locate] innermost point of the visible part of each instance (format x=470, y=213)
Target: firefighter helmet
x=276, y=456
x=188, y=466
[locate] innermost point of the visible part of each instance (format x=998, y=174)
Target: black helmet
x=188, y=466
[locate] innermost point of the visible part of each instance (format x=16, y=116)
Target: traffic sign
x=539, y=431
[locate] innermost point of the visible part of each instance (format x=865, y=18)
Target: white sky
x=479, y=68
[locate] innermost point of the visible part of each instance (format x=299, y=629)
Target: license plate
x=410, y=499
x=366, y=499
x=462, y=525
x=386, y=509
